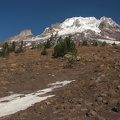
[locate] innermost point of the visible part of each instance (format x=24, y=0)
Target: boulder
x=78, y=58
x=91, y=113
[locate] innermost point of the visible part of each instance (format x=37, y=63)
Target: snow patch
x=79, y=24
x=109, y=41
x=28, y=44
x=17, y=102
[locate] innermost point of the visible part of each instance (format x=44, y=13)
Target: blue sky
x=17, y=15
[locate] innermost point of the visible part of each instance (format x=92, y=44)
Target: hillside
x=94, y=95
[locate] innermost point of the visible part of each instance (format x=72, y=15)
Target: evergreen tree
x=13, y=46
x=95, y=43
x=84, y=43
x=39, y=46
x=60, y=50
x=114, y=44
x=20, y=50
x=1, y=53
x=44, y=52
x=68, y=44
x=104, y=43
x=48, y=44
x=73, y=50
x=59, y=40
x=5, y=50
x=21, y=46
x=63, y=47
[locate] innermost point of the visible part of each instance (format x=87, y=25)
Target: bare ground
x=93, y=96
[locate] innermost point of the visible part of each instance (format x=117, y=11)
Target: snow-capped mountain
x=79, y=28
x=76, y=25
x=86, y=27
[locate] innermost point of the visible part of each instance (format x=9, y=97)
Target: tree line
x=62, y=47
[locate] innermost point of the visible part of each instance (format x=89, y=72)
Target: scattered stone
x=112, y=93
x=12, y=70
x=78, y=58
x=80, y=100
x=84, y=109
x=79, y=105
x=105, y=101
x=67, y=56
x=100, y=118
x=101, y=66
x=112, y=101
x=96, y=70
x=13, y=65
x=91, y=113
x=105, y=56
x=117, y=107
x=22, y=96
x=118, y=87
x=98, y=79
x=46, y=66
x=99, y=99
x=11, y=92
x=89, y=103
x=95, y=104
x=22, y=70
x=47, y=103
x=103, y=95
x=92, y=78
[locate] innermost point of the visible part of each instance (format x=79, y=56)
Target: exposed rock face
x=109, y=28
x=25, y=33
x=22, y=36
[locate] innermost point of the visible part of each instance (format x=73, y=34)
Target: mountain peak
x=109, y=21
x=79, y=24
x=70, y=21
x=22, y=36
x=88, y=27
x=26, y=32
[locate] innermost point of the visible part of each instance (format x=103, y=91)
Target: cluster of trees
x=47, y=45
x=20, y=49
x=64, y=46
x=7, y=48
x=94, y=43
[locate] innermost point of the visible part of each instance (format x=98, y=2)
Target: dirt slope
x=95, y=95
